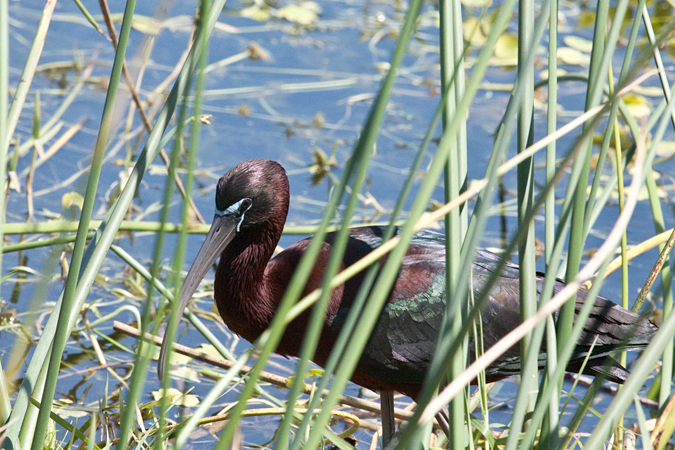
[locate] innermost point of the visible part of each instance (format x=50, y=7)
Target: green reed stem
x=525, y=172
x=28, y=72
x=455, y=175
x=95, y=254
x=371, y=313
x=177, y=262
x=668, y=361
x=435, y=372
x=270, y=339
x=372, y=271
x=69, y=299
x=549, y=434
x=666, y=289
x=363, y=151
x=4, y=131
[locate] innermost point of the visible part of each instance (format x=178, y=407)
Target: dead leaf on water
x=568, y=55
x=69, y=413
x=507, y=46
x=322, y=166
x=666, y=149
x=72, y=199
x=305, y=13
x=319, y=120
x=176, y=397
x=579, y=43
x=476, y=3
x=14, y=182
x=649, y=91
x=185, y=373
x=256, y=12
x=244, y=110
x=257, y=53
x=473, y=31
x=586, y=19
x=544, y=73
x=637, y=105
x=142, y=24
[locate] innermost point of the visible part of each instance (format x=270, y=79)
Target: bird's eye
x=245, y=205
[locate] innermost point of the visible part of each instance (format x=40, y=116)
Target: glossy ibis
x=251, y=207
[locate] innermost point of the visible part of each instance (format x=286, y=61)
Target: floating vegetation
x=96, y=228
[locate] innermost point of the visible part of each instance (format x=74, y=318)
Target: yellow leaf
x=473, y=31
x=144, y=24
x=303, y=14
x=476, y=3
x=666, y=149
x=72, y=199
x=567, y=55
x=544, y=73
x=210, y=350
x=649, y=91
x=637, y=105
x=578, y=43
x=186, y=373
x=507, y=46
x=176, y=358
x=256, y=13
x=586, y=19
x=177, y=397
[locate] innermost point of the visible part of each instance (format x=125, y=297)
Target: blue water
x=284, y=96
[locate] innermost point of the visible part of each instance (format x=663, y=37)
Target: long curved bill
x=223, y=230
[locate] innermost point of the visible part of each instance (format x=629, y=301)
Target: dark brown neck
x=244, y=300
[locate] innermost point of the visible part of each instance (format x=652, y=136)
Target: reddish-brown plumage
x=251, y=207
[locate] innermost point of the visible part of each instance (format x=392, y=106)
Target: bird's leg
x=388, y=419
x=443, y=419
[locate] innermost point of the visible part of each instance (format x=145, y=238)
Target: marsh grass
x=581, y=175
